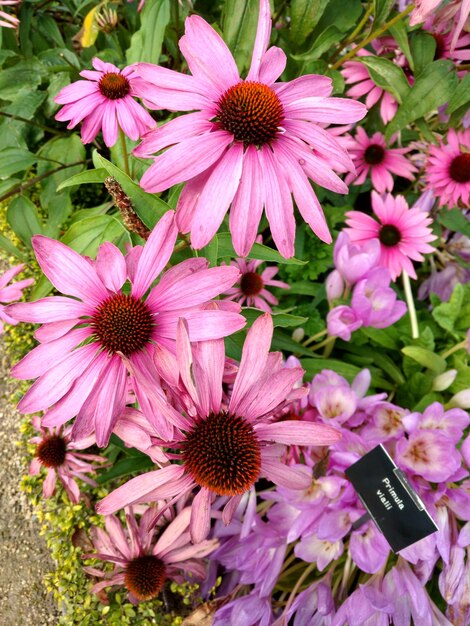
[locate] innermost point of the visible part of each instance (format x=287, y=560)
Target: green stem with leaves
x=377, y=33
x=125, y=156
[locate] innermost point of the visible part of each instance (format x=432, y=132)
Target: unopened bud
x=460, y=400
x=298, y=334
x=443, y=381
x=131, y=220
x=334, y=286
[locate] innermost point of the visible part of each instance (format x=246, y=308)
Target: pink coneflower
x=403, y=233
x=357, y=75
x=10, y=293
x=61, y=457
x=371, y=154
x=444, y=40
x=7, y=20
x=226, y=445
x=143, y=562
x=79, y=363
x=251, y=143
x=105, y=102
x=251, y=289
x=448, y=169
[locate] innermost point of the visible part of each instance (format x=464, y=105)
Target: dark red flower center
x=251, y=284
x=222, y=453
x=51, y=451
x=374, y=154
x=389, y=235
x=460, y=168
x=144, y=576
x=114, y=86
x=440, y=46
x=122, y=324
x=251, y=111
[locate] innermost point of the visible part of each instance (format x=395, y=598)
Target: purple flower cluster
x=373, y=302
x=356, y=578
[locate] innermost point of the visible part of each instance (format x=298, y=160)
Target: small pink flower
x=251, y=289
x=247, y=144
x=61, y=457
x=104, y=101
x=226, y=445
x=90, y=334
x=373, y=157
x=143, y=559
x=448, y=169
x=7, y=20
x=403, y=233
x=429, y=454
x=342, y=321
x=10, y=293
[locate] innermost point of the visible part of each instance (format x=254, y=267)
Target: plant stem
x=411, y=305
x=323, y=343
x=19, y=188
x=361, y=24
x=125, y=157
x=297, y=586
x=47, y=129
x=458, y=346
x=315, y=337
x=352, y=53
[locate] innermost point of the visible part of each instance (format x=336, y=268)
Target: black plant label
x=390, y=500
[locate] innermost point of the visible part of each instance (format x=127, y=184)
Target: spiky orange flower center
x=222, y=453
x=251, y=111
x=459, y=169
x=51, y=451
x=389, y=235
x=144, y=576
x=374, y=154
x=122, y=323
x=114, y=86
x=251, y=284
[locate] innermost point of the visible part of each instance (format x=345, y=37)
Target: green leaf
x=426, y=358
x=258, y=251
x=88, y=176
x=146, y=43
x=344, y=17
x=304, y=16
x=447, y=313
x=430, y=90
x=22, y=216
x=88, y=234
x=284, y=342
x=321, y=44
x=423, y=49
x=349, y=371
x=13, y=160
x=387, y=75
x=24, y=74
x=240, y=20
x=147, y=206
x=281, y=320
x=40, y=289
x=210, y=251
x=455, y=220
x=126, y=467
x=6, y=245
x=382, y=9
x=400, y=34
x=461, y=94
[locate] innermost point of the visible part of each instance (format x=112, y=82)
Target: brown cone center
x=222, y=453
x=251, y=284
x=51, y=451
x=389, y=235
x=251, y=111
x=144, y=576
x=374, y=154
x=114, y=86
x=460, y=168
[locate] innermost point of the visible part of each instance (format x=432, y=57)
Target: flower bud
x=461, y=399
x=298, y=334
x=443, y=381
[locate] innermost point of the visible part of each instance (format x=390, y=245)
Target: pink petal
x=200, y=523
x=52, y=309
x=298, y=433
x=172, y=532
x=299, y=88
x=208, y=372
x=68, y=271
x=284, y=476
x=272, y=65
x=111, y=266
x=216, y=196
x=207, y=54
x=202, y=326
x=156, y=254
x=197, y=551
x=49, y=483
x=185, y=160
x=263, y=34
x=326, y=110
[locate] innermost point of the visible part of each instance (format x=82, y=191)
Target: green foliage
x=239, y=21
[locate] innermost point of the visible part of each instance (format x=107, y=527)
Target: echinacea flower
x=248, y=143
x=373, y=157
x=448, y=169
x=84, y=338
x=403, y=233
x=251, y=288
x=144, y=560
x=226, y=445
x=62, y=458
x=7, y=20
x=105, y=101
x=10, y=293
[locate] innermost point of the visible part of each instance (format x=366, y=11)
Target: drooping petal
x=298, y=433
x=199, y=525
x=48, y=310
x=111, y=266
x=263, y=34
